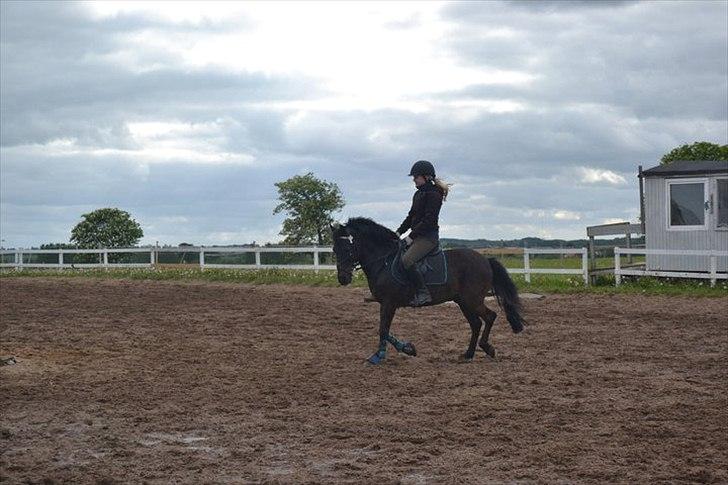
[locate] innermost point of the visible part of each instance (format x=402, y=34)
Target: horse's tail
x=507, y=295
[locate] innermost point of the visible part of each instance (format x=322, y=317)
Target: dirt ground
x=159, y=382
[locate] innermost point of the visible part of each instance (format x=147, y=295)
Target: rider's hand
x=397, y=233
x=408, y=240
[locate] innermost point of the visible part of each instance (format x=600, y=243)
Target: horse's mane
x=371, y=231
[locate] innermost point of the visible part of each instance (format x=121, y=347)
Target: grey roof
x=688, y=167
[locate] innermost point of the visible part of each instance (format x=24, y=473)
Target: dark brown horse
x=470, y=277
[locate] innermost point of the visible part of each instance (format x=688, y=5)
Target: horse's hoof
x=409, y=349
x=489, y=350
x=375, y=358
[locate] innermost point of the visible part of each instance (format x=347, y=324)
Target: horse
x=470, y=277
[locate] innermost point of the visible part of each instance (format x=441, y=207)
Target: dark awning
x=688, y=167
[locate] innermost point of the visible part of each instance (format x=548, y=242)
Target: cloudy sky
x=186, y=114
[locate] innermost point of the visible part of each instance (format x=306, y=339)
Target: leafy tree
x=107, y=228
x=701, y=150
x=309, y=203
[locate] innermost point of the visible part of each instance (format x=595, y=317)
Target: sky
x=186, y=114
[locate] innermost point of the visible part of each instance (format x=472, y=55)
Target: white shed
x=685, y=207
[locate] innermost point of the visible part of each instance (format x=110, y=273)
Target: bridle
x=350, y=256
x=357, y=263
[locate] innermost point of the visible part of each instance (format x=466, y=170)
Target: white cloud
x=564, y=215
x=357, y=56
x=556, y=214
x=589, y=175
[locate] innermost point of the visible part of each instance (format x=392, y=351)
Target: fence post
x=18, y=260
x=257, y=257
x=592, y=254
x=202, y=259
x=629, y=246
x=585, y=265
x=60, y=259
x=106, y=259
x=713, y=269
x=152, y=257
x=316, y=260
x=617, y=267
x=526, y=265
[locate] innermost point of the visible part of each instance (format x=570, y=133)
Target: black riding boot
x=422, y=294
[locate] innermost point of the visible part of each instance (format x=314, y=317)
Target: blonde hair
x=442, y=185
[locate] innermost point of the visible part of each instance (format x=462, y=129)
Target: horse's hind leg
x=475, y=324
x=488, y=317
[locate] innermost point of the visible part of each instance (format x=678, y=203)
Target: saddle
x=433, y=267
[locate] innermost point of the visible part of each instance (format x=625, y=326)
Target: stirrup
x=422, y=297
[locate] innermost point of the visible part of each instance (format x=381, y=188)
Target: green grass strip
x=548, y=284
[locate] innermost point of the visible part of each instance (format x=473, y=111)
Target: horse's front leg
x=406, y=347
x=386, y=314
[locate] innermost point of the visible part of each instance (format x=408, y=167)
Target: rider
x=423, y=220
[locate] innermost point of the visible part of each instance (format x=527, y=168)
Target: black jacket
x=424, y=214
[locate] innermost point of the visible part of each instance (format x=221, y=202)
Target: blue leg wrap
x=397, y=344
x=380, y=354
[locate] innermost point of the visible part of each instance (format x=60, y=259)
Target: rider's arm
x=407, y=223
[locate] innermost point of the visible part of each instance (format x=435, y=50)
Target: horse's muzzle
x=344, y=277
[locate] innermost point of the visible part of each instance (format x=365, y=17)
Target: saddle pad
x=433, y=268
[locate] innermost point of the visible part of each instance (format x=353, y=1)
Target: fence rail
x=712, y=273
x=205, y=254
x=528, y=271
x=103, y=255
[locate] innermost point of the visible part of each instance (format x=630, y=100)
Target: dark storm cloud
x=645, y=57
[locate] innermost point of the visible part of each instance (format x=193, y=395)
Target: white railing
x=258, y=251
x=103, y=254
x=712, y=273
x=206, y=252
x=528, y=271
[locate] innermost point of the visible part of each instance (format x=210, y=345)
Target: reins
x=359, y=264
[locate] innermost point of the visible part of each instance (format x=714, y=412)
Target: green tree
x=701, y=150
x=107, y=228
x=309, y=203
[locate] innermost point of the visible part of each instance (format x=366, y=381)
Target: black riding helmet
x=422, y=167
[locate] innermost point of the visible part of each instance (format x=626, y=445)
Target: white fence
x=528, y=271
x=712, y=274
x=258, y=251
x=103, y=255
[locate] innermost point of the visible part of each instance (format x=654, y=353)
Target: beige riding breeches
x=417, y=250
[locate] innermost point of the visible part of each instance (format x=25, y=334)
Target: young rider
x=423, y=222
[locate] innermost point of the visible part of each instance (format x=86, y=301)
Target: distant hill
x=535, y=242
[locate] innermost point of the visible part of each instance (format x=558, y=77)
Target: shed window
x=722, y=202
x=687, y=204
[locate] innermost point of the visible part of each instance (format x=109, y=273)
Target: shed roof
x=688, y=167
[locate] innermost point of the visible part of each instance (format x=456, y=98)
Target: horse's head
x=345, y=251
